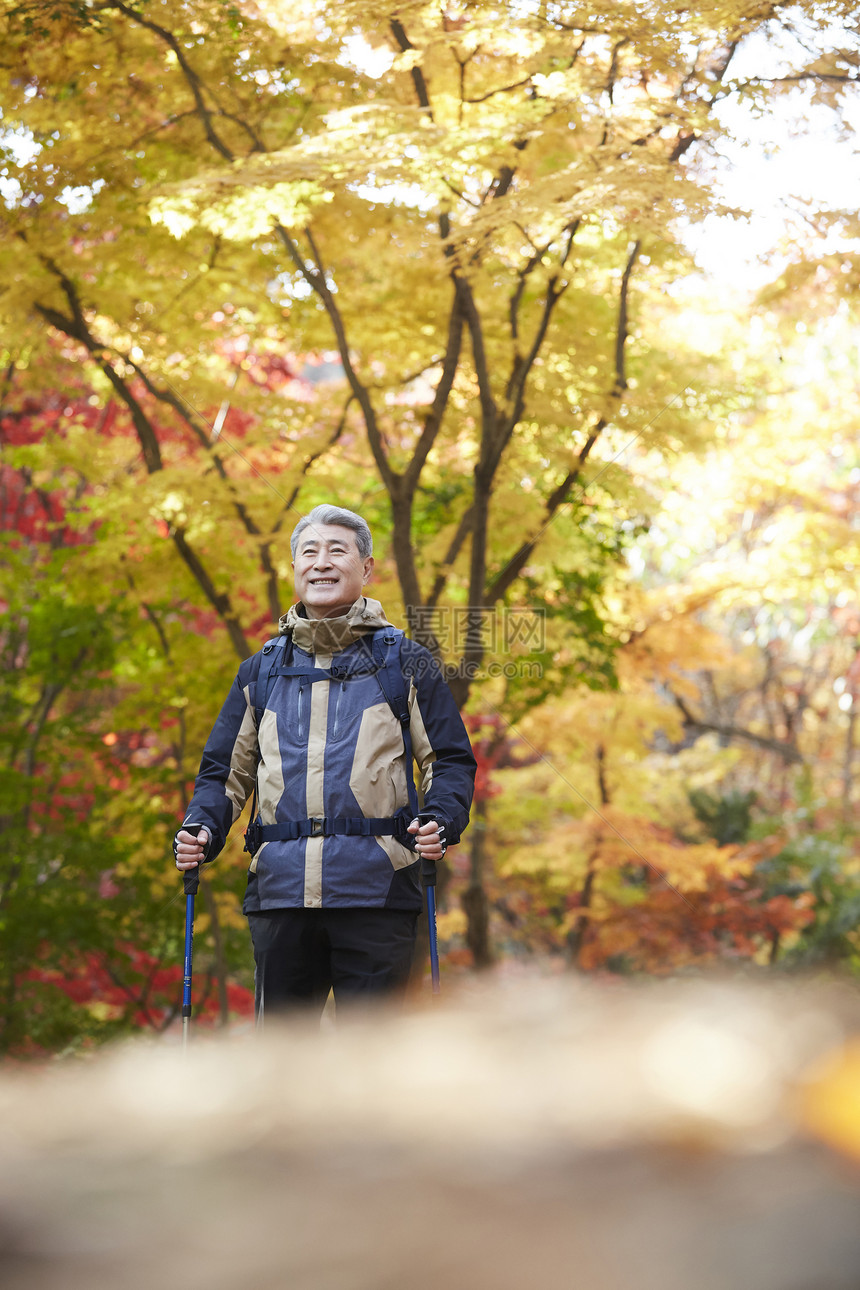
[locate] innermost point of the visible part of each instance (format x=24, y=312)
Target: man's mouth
x=323, y=582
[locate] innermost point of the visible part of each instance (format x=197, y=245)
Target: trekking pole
x=428, y=880
x=191, y=879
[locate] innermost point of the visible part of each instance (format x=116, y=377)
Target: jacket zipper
x=337, y=710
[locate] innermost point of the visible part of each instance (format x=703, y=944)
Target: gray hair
x=336, y=515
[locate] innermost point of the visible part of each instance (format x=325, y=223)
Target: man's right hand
x=190, y=850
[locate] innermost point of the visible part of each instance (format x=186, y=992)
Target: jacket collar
x=329, y=635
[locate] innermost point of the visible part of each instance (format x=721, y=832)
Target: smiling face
x=329, y=572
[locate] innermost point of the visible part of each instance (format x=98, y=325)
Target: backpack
x=385, y=654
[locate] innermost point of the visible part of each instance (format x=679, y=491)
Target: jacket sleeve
x=439, y=742
x=228, y=768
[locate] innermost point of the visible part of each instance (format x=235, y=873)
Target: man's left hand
x=429, y=839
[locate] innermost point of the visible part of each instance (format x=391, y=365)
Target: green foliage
x=86, y=813
x=726, y=816
x=822, y=868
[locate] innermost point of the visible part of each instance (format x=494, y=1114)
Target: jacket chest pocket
x=347, y=699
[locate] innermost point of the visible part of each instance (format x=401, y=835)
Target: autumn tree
x=92, y=782
x=473, y=208
x=737, y=693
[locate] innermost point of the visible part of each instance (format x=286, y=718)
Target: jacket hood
x=327, y=635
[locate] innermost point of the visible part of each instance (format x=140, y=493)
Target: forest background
x=477, y=271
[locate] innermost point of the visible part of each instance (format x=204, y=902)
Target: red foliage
x=36, y=512
x=728, y=921
x=107, y=887
x=205, y=622
x=261, y=625
x=134, y=987
x=71, y=795
x=494, y=750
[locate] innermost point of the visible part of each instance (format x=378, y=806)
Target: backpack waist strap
x=323, y=827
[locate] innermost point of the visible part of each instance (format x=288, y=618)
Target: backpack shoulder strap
x=385, y=648
x=272, y=659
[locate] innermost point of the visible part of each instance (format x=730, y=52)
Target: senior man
x=310, y=729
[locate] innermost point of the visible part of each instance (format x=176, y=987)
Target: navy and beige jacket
x=331, y=749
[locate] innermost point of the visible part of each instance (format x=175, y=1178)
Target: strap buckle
x=252, y=838
x=317, y=827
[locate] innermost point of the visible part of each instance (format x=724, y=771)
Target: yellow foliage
x=613, y=839
x=829, y=1100
x=451, y=923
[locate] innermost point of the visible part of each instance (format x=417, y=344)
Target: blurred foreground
x=676, y=1136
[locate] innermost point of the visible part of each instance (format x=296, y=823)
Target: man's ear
x=368, y=567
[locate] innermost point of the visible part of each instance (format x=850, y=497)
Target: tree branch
x=195, y=84
x=316, y=279
x=433, y=420
x=463, y=530
x=511, y=571
x=495, y=438
x=152, y=454
x=622, y=331
x=507, y=577
x=79, y=331
x=613, y=66
x=489, y=410
x=840, y=77
x=196, y=424
x=517, y=294
x=220, y=602
x=311, y=460
x=191, y=77
x=503, y=89
x=515, y=390
x=788, y=752
x=501, y=182
x=404, y=43
x=77, y=328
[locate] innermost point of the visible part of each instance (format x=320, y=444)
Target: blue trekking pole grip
x=428, y=880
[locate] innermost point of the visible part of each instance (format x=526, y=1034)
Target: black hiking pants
x=302, y=954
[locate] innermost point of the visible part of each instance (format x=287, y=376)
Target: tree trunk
x=578, y=934
x=474, y=899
